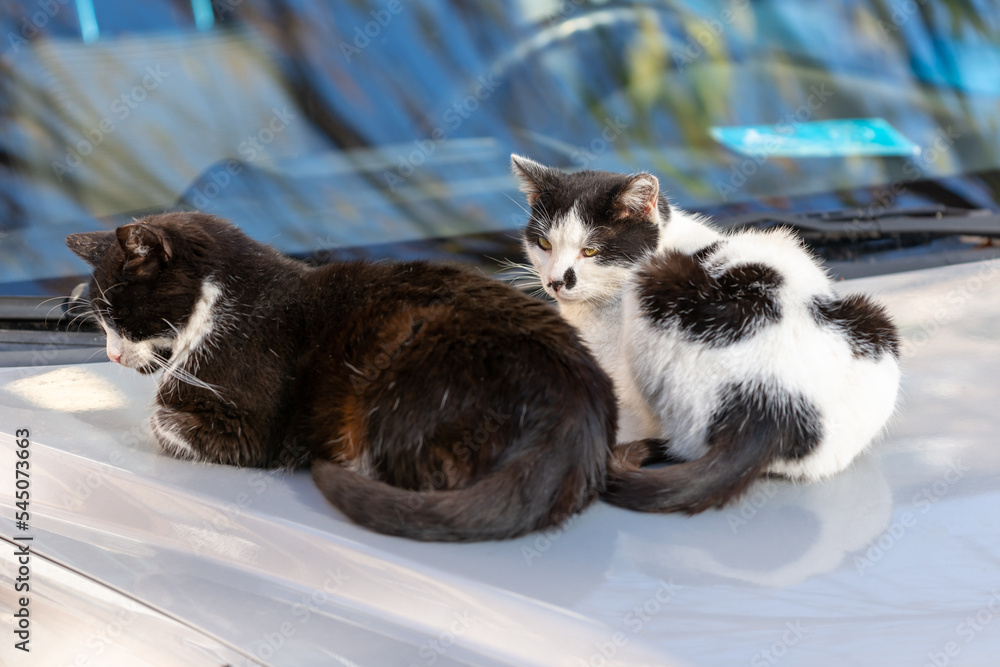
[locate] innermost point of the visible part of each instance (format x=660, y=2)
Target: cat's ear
x=146, y=249
x=534, y=178
x=639, y=198
x=91, y=247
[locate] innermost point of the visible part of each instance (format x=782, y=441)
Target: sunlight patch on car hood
x=68, y=390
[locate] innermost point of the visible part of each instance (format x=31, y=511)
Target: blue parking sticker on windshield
x=821, y=138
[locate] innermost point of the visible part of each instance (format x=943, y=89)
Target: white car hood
x=883, y=564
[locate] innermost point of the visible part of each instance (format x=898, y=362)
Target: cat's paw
x=172, y=431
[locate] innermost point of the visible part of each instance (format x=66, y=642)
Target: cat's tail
x=536, y=488
x=752, y=429
x=553, y=465
x=691, y=487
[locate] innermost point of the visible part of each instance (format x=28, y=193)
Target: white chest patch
x=192, y=338
x=184, y=343
x=199, y=326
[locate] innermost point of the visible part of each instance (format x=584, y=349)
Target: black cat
x=432, y=402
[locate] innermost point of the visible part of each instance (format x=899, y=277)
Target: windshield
x=318, y=126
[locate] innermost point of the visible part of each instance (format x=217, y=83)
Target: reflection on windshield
x=315, y=126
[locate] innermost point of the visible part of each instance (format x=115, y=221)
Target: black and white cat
x=432, y=402
x=732, y=347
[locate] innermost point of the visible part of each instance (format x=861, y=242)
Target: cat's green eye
x=589, y=252
x=544, y=244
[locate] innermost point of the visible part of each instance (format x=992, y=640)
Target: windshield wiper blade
x=859, y=224
x=48, y=310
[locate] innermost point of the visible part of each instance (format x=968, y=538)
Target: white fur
x=132, y=354
x=170, y=440
x=198, y=328
x=686, y=232
x=183, y=343
x=595, y=284
x=669, y=387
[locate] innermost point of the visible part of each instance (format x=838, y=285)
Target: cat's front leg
x=169, y=430
x=208, y=435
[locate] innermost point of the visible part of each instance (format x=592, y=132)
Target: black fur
x=865, y=323
x=621, y=244
x=677, y=290
x=701, y=255
x=570, y=278
x=753, y=426
x=432, y=402
x=623, y=234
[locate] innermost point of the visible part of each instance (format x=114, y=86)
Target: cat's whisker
x=104, y=292
x=192, y=380
x=521, y=270
x=519, y=273
x=77, y=318
x=70, y=312
x=518, y=203
x=75, y=308
x=545, y=217
x=48, y=313
x=55, y=298
x=523, y=277
x=172, y=326
x=179, y=374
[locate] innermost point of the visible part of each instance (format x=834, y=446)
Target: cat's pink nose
x=115, y=357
